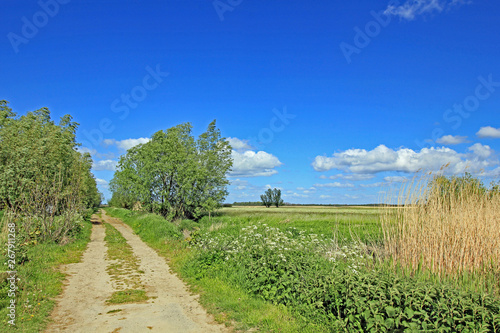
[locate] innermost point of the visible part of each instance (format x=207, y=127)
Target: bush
x=188, y=225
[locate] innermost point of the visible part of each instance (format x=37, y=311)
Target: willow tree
x=42, y=175
x=175, y=174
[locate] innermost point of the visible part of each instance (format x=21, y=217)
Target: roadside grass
x=302, y=281
x=40, y=282
x=123, y=269
x=228, y=303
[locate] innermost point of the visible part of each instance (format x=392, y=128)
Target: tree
x=174, y=174
x=38, y=157
x=42, y=175
x=272, y=197
x=276, y=196
x=267, y=198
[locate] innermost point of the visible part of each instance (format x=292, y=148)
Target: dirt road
x=82, y=306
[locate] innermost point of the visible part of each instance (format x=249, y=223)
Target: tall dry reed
x=448, y=226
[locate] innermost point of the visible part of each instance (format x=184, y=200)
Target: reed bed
x=449, y=227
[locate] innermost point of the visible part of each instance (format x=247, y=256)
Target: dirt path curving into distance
x=82, y=306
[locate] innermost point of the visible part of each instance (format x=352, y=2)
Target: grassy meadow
x=332, y=221
x=311, y=269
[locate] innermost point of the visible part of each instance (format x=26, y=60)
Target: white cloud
x=238, y=182
x=482, y=152
x=379, y=184
x=495, y=173
x=101, y=182
x=412, y=8
x=489, y=132
x=324, y=196
x=395, y=179
x=125, y=144
x=104, y=165
x=406, y=160
x=296, y=195
x=336, y=184
x=84, y=150
x=238, y=144
x=352, y=177
x=452, y=140
x=254, y=164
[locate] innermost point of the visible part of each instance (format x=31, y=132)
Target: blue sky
x=329, y=101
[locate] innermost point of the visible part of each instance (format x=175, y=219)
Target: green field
x=347, y=222
x=307, y=269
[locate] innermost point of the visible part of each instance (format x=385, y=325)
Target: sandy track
x=82, y=307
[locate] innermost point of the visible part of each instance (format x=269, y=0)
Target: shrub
x=187, y=224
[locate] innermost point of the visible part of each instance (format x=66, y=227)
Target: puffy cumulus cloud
x=482, y=152
x=406, y=160
x=254, y=164
x=238, y=144
x=413, y=8
x=104, y=165
x=489, y=132
x=452, y=140
x=125, y=144
x=336, y=185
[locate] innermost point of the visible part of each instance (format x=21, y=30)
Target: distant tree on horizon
x=272, y=197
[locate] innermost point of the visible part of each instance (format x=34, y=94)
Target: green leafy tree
x=276, y=197
x=272, y=197
x=42, y=175
x=174, y=174
x=267, y=198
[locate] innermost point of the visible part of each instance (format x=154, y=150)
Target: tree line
x=45, y=183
